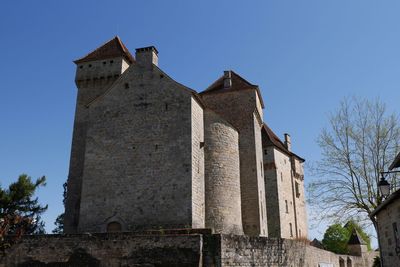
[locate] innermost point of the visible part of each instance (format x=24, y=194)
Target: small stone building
x=151, y=153
x=388, y=220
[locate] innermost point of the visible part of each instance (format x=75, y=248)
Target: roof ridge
x=277, y=142
x=92, y=55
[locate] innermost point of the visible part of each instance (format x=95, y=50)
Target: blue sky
x=305, y=56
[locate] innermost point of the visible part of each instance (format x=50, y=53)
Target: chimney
x=288, y=142
x=227, y=79
x=147, y=56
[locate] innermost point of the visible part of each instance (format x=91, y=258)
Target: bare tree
x=362, y=140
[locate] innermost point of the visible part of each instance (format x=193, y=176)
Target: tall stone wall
x=389, y=239
x=299, y=197
x=286, y=200
x=92, y=79
x=238, y=108
x=138, y=160
x=271, y=192
x=222, y=179
x=198, y=194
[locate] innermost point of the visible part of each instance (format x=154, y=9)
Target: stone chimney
x=227, y=79
x=147, y=56
x=288, y=142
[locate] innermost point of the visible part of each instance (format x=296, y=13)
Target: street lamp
x=384, y=186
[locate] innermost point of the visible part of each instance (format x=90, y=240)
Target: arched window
x=114, y=227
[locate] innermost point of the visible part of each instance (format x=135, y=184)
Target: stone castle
x=151, y=153
x=163, y=176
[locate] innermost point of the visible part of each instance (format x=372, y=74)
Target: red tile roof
x=112, y=48
x=238, y=83
x=274, y=140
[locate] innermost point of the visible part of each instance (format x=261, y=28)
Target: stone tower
x=137, y=159
x=95, y=73
x=356, y=245
x=239, y=103
x=284, y=186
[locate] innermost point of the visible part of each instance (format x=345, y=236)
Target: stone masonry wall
x=386, y=218
x=300, y=198
x=138, y=159
x=171, y=249
x=238, y=107
x=222, y=183
x=92, y=79
x=285, y=195
x=276, y=252
x=106, y=250
x=271, y=192
x=198, y=194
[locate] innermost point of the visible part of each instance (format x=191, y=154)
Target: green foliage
x=20, y=211
x=337, y=236
x=351, y=225
x=18, y=201
x=335, y=239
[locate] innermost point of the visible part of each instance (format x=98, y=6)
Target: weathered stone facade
x=387, y=216
x=284, y=187
x=138, y=160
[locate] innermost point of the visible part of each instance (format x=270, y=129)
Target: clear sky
x=305, y=56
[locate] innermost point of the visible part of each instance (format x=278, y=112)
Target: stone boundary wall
x=171, y=248
x=277, y=252
x=111, y=250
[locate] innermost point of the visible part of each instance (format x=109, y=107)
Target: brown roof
x=356, y=239
x=275, y=141
x=112, y=48
x=238, y=83
x=396, y=162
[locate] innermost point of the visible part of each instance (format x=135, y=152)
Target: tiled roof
x=275, y=141
x=238, y=83
x=355, y=239
x=112, y=48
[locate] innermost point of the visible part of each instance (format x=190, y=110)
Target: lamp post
x=384, y=186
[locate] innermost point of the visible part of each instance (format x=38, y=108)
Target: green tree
x=20, y=211
x=362, y=139
x=335, y=239
x=59, y=223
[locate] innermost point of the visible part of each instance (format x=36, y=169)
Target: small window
x=287, y=207
x=127, y=86
x=81, y=67
x=296, y=185
x=111, y=61
x=291, y=229
x=265, y=151
x=104, y=62
x=281, y=177
x=90, y=65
